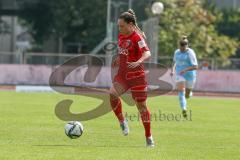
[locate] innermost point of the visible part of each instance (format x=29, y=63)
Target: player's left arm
x=173, y=69
x=144, y=57
x=143, y=50
x=193, y=62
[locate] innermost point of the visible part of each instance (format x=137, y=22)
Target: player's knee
x=114, y=100
x=181, y=89
x=139, y=97
x=141, y=106
x=113, y=94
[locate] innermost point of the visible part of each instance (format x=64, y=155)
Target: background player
x=185, y=64
x=133, y=51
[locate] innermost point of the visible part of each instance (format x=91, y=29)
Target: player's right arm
x=174, y=64
x=173, y=69
x=116, y=62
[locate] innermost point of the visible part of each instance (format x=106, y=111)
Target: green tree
x=42, y=27
x=229, y=24
x=81, y=21
x=68, y=20
x=188, y=17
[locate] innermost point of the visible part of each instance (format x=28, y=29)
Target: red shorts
x=135, y=81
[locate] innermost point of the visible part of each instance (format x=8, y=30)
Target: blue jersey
x=184, y=60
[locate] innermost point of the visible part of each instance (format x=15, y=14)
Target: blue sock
x=182, y=100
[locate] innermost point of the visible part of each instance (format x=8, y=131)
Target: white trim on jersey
x=192, y=57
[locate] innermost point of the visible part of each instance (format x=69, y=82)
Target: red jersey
x=130, y=49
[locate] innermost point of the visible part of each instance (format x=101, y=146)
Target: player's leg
x=189, y=88
x=115, y=92
x=180, y=83
x=139, y=94
x=146, y=120
x=188, y=93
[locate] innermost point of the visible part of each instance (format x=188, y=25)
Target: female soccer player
x=185, y=64
x=132, y=52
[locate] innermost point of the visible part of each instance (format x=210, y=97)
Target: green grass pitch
x=31, y=131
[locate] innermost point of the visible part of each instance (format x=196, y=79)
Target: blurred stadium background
x=37, y=35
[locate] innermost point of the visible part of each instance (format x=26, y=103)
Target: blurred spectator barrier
x=24, y=74
x=57, y=59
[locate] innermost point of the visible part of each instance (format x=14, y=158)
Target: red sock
x=117, y=107
x=145, y=116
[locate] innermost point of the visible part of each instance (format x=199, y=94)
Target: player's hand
x=133, y=64
x=116, y=62
x=183, y=72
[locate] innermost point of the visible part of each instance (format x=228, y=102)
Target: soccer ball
x=157, y=8
x=74, y=129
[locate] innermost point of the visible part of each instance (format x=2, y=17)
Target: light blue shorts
x=188, y=83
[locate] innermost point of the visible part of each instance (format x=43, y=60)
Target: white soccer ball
x=74, y=129
x=157, y=8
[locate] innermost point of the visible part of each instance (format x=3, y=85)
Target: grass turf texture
x=31, y=131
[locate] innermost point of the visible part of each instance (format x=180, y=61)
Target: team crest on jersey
x=124, y=46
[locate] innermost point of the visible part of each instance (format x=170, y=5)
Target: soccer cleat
x=124, y=127
x=150, y=142
x=184, y=113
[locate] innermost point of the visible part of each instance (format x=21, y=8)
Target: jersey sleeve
x=174, y=57
x=141, y=45
x=193, y=59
